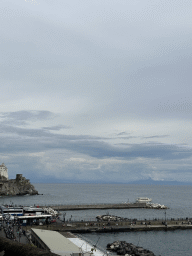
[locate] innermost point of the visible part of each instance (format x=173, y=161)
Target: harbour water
x=177, y=198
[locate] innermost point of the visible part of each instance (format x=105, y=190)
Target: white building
x=54, y=242
x=3, y=171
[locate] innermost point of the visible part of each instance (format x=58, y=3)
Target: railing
x=91, y=243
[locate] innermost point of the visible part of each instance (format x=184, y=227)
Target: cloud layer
x=85, y=158
x=96, y=91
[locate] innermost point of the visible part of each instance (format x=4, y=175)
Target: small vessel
x=143, y=200
x=33, y=210
x=17, y=211
x=36, y=219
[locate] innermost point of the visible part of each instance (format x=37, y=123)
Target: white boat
x=17, y=211
x=143, y=200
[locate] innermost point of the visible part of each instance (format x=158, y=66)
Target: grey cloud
x=141, y=137
x=40, y=139
x=102, y=65
x=168, y=155
x=161, y=151
x=123, y=133
x=155, y=136
x=129, y=137
x=57, y=127
x=75, y=63
x=42, y=133
x=21, y=117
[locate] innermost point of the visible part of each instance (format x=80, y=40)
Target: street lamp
x=64, y=214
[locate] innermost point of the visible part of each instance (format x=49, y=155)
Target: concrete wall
x=16, y=249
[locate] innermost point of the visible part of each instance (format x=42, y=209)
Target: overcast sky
x=96, y=91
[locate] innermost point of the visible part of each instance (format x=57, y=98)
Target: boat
x=16, y=211
x=20, y=211
x=36, y=219
x=143, y=200
x=33, y=210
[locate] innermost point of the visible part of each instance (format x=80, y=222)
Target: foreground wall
x=12, y=248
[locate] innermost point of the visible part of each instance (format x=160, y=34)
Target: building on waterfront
x=3, y=172
x=54, y=242
x=63, y=245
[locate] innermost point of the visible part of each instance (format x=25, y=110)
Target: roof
x=43, y=216
x=87, y=247
x=56, y=242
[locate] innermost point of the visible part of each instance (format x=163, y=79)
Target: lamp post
x=64, y=214
x=165, y=219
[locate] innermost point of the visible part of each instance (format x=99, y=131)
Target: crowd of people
x=11, y=228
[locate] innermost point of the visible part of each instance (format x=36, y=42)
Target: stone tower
x=3, y=172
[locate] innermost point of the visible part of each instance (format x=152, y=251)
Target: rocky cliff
x=18, y=186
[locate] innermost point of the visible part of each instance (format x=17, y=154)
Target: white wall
x=4, y=171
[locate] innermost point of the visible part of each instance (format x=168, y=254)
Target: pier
x=119, y=226
x=97, y=206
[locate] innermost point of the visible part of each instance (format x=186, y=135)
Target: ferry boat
x=36, y=219
x=20, y=211
x=143, y=200
x=27, y=213
x=33, y=210
x=16, y=211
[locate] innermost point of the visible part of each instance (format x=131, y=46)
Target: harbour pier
x=98, y=206
x=118, y=226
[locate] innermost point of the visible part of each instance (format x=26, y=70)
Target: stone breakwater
x=156, y=206
x=110, y=218
x=128, y=249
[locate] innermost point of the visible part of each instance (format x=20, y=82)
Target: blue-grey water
x=177, y=198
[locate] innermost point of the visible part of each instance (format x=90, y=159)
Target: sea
x=165, y=243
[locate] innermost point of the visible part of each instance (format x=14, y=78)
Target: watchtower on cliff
x=3, y=172
x=19, y=177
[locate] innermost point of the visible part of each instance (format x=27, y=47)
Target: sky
x=96, y=91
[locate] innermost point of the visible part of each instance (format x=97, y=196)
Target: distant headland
x=13, y=187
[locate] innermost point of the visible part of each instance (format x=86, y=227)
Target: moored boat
x=143, y=200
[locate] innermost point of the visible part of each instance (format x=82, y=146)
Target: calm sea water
x=177, y=198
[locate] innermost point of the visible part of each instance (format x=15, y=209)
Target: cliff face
x=18, y=186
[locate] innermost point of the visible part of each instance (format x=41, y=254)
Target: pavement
x=21, y=239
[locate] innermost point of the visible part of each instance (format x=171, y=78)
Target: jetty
x=117, y=226
x=103, y=206
x=108, y=229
